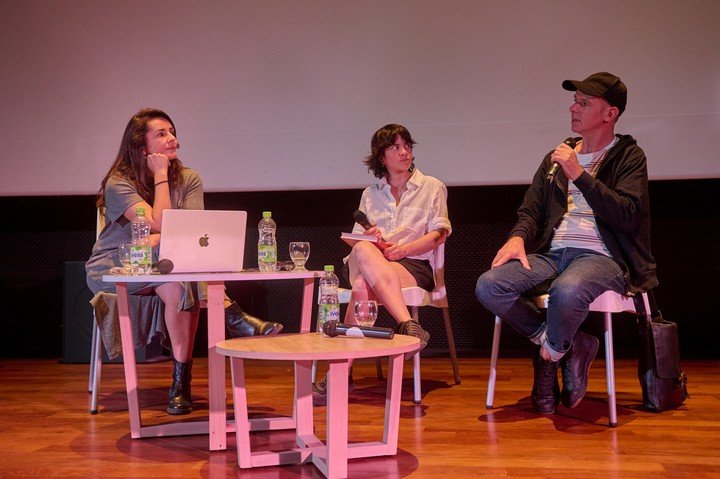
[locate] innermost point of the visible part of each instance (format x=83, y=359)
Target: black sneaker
x=413, y=328
x=320, y=390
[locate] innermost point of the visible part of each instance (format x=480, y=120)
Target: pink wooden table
x=217, y=425
x=330, y=457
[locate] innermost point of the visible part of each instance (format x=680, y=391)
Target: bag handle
x=645, y=303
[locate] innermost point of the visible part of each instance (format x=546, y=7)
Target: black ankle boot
x=546, y=391
x=575, y=366
x=239, y=324
x=180, y=400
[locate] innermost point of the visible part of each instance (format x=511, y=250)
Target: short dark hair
x=383, y=139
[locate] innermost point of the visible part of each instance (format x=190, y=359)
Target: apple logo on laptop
x=204, y=241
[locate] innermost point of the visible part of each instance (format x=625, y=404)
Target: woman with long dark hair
x=148, y=173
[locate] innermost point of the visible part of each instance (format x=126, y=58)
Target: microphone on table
x=556, y=166
x=164, y=266
x=333, y=328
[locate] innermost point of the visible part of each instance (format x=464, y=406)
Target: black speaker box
x=78, y=321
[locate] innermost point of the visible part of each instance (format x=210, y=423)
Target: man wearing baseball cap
x=583, y=229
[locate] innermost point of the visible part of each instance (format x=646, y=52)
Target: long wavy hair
x=383, y=139
x=131, y=164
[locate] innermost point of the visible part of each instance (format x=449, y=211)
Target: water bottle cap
x=267, y=214
x=329, y=267
x=140, y=211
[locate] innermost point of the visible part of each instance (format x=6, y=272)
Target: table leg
x=307, y=304
x=337, y=420
x=303, y=411
x=216, y=366
x=242, y=423
x=392, y=403
x=128, y=347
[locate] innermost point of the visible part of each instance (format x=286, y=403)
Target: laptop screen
x=203, y=241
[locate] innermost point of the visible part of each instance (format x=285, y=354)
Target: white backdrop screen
x=278, y=95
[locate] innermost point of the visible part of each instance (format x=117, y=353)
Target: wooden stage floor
x=46, y=430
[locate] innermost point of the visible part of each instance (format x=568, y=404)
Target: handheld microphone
x=333, y=328
x=556, y=166
x=164, y=266
x=362, y=219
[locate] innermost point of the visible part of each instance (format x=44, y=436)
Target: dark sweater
x=618, y=196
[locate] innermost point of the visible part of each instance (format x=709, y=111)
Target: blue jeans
x=578, y=277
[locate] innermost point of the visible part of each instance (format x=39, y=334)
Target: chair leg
x=451, y=344
x=91, y=374
x=417, y=392
x=95, y=368
x=313, y=371
x=610, y=370
x=493, y=364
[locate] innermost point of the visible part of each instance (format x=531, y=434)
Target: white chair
x=96, y=344
x=609, y=302
x=415, y=297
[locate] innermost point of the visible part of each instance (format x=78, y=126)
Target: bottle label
x=141, y=258
x=327, y=312
x=267, y=254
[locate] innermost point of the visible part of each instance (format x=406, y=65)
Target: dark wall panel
x=686, y=239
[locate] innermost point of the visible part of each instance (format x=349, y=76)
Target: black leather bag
x=664, y=385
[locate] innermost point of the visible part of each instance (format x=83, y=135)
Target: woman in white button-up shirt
x=409, y=211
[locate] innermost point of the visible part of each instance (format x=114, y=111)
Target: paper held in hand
x=352, y=239
x=355, y=237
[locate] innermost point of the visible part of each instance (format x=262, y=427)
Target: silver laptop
x=203, y=241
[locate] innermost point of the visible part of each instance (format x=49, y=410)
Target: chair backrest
x=439, y=294
x=416, y=296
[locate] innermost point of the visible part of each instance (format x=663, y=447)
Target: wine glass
x=299, y=254
x=124, y=254
x=366, y=311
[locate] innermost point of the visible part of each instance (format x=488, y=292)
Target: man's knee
x=487, y=287
x=569, y=292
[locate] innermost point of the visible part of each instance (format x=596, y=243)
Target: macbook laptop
x=203, y=241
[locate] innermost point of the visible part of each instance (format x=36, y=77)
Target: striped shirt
x=578, y=228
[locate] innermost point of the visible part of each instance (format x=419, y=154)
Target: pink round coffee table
x=304, y=348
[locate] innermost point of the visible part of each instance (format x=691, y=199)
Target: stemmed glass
x=366, y=311
x=299, y=254
x=124, y=254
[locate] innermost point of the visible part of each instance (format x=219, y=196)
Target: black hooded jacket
x=618, y=196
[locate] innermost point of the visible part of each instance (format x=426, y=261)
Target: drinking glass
x=366, y=311
x=124, y=254
x=299, y=254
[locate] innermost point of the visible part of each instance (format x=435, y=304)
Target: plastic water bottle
x=140, y=250
x=329, y=307
x=267, y=246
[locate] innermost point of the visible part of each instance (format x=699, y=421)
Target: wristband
x=161, y=182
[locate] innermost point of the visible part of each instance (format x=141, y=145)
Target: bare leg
x=373, y=276
x=181, y=325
